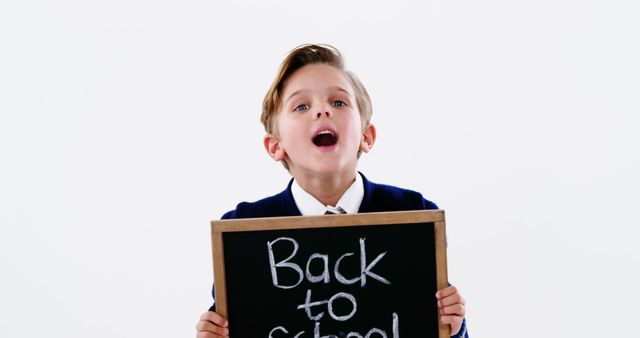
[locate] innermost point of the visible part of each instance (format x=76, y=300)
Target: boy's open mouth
x=325, y=138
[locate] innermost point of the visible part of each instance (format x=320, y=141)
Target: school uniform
x=362, y=196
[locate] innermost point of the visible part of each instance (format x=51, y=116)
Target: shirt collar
x=310, y=206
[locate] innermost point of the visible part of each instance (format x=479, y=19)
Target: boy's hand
x=212, y=325
x=451, y=306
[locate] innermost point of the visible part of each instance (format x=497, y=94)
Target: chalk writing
x=287, y=249
x=365, y=269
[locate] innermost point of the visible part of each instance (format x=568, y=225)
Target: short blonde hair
x=305, y=55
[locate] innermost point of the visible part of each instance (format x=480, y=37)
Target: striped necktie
x=334, y=211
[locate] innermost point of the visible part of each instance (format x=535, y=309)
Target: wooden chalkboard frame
x=218, y=227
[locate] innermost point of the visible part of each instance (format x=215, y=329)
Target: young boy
x=316, y=115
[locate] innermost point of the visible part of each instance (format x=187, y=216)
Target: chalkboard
x=365, y=275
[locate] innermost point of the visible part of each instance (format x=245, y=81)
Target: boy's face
x=318, y=129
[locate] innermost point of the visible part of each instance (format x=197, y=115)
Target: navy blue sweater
x=377, y=198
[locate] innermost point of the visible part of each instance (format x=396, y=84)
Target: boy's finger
x=448, y=291
x=453, y=299
x=454, y=321
x=455, y=309
x=207, y=326
x=214, y=318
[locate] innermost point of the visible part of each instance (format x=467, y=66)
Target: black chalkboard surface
x=348, y=276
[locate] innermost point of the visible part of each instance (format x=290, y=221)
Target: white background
x=126, y=126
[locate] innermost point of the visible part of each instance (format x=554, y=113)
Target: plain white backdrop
x=126, y=126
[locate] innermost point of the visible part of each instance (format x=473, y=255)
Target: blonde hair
x=305, y=55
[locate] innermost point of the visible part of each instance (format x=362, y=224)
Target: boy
x=316, y=116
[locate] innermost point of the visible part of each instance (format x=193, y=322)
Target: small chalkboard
x=364, y=275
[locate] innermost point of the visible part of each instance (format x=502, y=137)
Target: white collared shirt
x=310, y=206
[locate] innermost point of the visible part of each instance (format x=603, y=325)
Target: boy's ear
x=272, y=145
x=368, y=138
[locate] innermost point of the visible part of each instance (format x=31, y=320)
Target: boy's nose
x=327, y=113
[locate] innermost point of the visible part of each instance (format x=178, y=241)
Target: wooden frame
x=218, y=227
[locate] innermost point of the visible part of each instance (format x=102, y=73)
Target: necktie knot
x=334, y=211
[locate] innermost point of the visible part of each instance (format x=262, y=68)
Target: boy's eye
x=301, y=107
x=338, y=103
